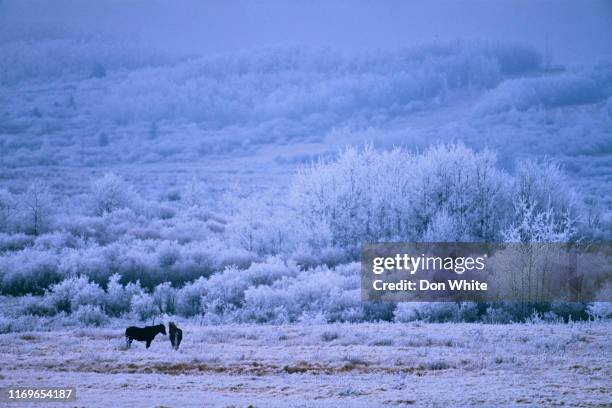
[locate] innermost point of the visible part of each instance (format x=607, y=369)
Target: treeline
x=272, y=258
x=276, y=292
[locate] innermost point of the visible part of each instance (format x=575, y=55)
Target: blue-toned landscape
x=219, y=165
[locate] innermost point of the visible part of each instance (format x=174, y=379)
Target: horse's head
x=162, y=329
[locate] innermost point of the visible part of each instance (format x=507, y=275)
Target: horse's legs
x=148, y=343
x=128, y=341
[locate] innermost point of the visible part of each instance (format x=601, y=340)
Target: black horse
x=176, y=335
x=147, y=333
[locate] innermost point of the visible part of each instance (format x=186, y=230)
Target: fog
x=568, y=30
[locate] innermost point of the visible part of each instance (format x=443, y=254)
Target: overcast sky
x=573, y=30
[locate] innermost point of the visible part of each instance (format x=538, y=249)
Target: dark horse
x=147, y=333
x=176, y=335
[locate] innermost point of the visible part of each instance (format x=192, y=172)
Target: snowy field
x=334, y=365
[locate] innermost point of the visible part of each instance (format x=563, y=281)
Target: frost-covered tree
x=465, y=186
x=546, y=208
x=543, y=226
x=444, y=228
x=361, y=196
x=246, y=226
x=263, y=225
x=196, y=192
x=449, y=192
x=544, y=184
x=111, y=193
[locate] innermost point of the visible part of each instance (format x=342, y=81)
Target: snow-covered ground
x=434, y=365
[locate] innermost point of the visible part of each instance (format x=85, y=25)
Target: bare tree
x=37, y=205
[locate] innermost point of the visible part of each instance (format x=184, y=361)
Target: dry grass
x=330, y=365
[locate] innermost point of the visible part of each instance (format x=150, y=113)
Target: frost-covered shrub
x=264, y=304
x=507, y=312
x=71, y=293
x=118, y=297
x=68, y=56
x=87, y=227
x=231, y=257
x=215, y=226
x=515, y=58
x=226, y=290
x=323, y=291
x=143, y=306
x=57, y=241
x=295, y=82
x=308, y=257
x=436, y=312
x=189, y=297
x=252, y=97
x=165, y=212
x=569, y=310
x=427, y=311
x=18, y=324
x=525, y=93
x=164, y=298
x=468, y=312
x=499, y=315
x=89, y=262
x=406, y=312
x=37, y=306
x=600, y=310
x=168, y=254
x=28, y=271
x=15, y=242
x=91, y=315
x=313, y=318
x=378, y=311
x=111, y=193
